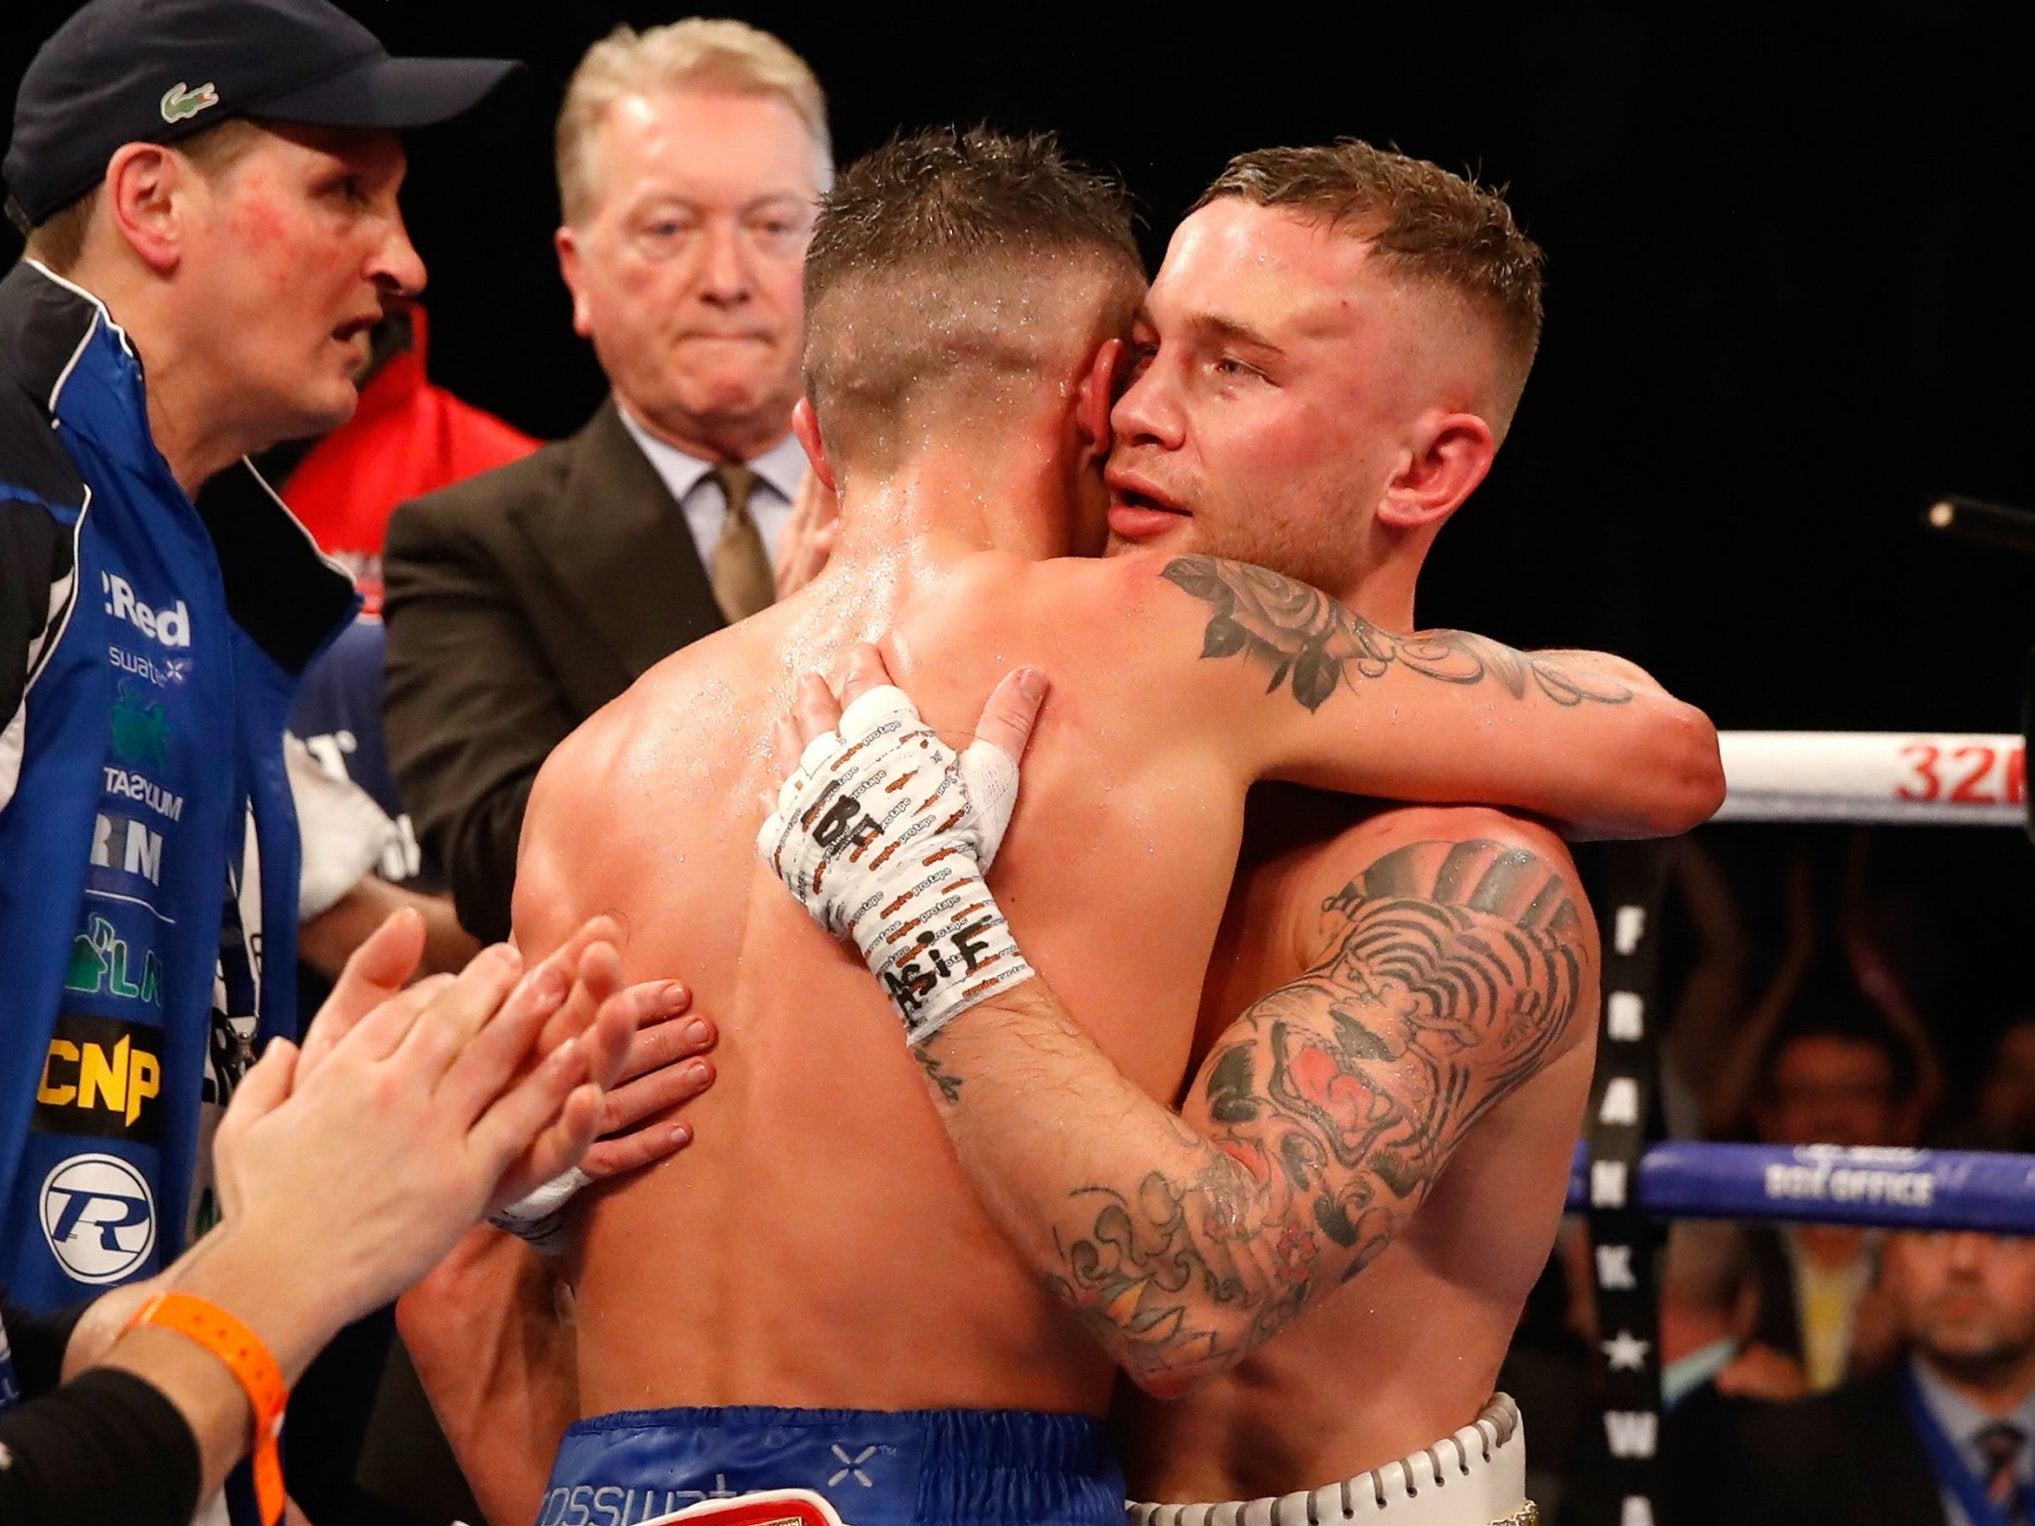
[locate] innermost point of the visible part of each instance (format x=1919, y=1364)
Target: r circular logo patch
x=98, y=1216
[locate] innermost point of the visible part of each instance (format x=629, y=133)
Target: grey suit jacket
x=518, y=603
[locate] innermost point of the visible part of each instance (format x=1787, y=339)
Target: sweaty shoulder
x=1176, y=613
x=1102, y=588
x=564, y=834
x=1501, y=868
x=1069, y=615
x=1137, y=611
x=645, y=745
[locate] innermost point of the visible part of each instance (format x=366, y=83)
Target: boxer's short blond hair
x=694, y=54
x=1429, y=227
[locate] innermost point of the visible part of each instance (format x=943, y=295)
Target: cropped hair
x=927, y=198
x=697, y=53
x=954, y=233
x=1426, y=225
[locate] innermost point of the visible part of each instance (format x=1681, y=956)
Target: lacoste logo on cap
x=179, y=102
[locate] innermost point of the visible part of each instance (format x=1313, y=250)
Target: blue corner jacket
x=149, y=649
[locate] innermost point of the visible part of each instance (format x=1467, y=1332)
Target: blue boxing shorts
x=875, y=1467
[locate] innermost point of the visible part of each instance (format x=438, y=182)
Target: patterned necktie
x=743, y=579
x=2000, y=1445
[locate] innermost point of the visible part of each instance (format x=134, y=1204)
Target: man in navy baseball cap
x=208, y=189
x=221, y=175
x=156, y=71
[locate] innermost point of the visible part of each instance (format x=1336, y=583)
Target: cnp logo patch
x=98, y=1216
x=101, y=1077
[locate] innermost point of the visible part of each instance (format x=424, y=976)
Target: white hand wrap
x=539, y=1215
x=883, y=833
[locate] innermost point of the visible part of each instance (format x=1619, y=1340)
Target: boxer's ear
x=1446, y=458
x=806, y=425
x=1096, y=392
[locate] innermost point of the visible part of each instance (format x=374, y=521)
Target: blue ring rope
x=1889, y=1188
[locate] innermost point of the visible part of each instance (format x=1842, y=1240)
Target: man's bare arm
x=1314, y=1130
x=1584, y=739
x=1452, y=972
x=1314, y=646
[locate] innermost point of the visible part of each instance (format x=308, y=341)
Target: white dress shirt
x=778, y=473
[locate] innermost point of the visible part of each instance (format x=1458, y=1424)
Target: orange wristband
x=249, y=1361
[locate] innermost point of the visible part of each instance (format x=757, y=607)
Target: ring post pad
x=1623, y=1119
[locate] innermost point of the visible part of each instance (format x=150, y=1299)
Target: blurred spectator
x=1831, y=976
x=1709, y=1309
x=690, y=160
x=1941, y=1440
x=1711, y=1373
x=407, y=437
x=1829, y=1069
x=338, y=716
x=1836, y=1073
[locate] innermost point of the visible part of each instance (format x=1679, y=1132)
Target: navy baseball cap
x=154, y=71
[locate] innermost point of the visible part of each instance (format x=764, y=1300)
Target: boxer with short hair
x=1330, y=355
x=817, y=1299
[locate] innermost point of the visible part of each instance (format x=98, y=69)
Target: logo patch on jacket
x=102, y=1078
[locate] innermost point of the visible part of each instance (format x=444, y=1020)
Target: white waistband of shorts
x=1475, y=1477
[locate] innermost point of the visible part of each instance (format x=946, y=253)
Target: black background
x=1789, y=287
x=1789, y=300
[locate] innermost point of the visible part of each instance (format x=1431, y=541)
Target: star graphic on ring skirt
x=1625, y=1352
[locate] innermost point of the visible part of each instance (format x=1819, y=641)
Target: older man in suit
x=690, y=159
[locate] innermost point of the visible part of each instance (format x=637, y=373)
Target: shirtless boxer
x=1418, y=987
x=822, y=1248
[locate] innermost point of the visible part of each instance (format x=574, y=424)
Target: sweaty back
x=818, y=1245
